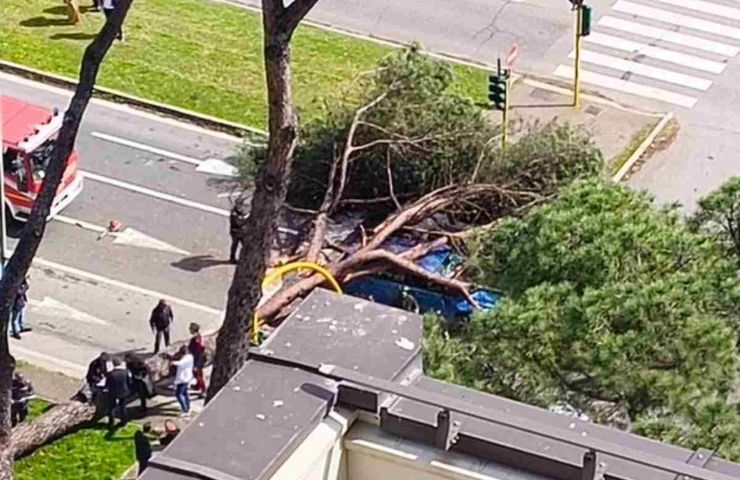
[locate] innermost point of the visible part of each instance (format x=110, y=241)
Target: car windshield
x=40, y=158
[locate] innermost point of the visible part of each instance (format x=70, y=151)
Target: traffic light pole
x=577, y=65
x=505, y=119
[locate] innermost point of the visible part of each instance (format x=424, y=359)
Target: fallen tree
x=471, y=186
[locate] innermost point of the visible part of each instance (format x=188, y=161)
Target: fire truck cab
x=28, y=135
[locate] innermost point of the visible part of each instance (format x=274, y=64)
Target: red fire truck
x=28, y=134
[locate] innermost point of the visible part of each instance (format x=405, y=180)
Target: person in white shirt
x=183, y=377
x=108, y=7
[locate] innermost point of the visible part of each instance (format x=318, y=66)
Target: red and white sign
x=511, y=55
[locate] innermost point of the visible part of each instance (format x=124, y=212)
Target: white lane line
x=122, y=108
x=668, y=36
x=166, y=197
x=661, y=74
x=627, y=86
x=59, y=310
x=153, y=193
x=147, y=148
x=126, y=286
x=705, y=7
x=676, y=19
x=658, y=53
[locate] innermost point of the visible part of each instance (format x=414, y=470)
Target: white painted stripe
x=146, y=148
x=153, y=193
x=121, y=108
x=661, y=74
x=690, y=61
x=627, y=86
x=706, y=7
x=126, y=286
x=676, y=19
x=668, y=36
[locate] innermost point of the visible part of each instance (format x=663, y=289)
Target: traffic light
x=585, y=20
x=497, y=90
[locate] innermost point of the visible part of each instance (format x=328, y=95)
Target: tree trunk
x=33, y=231
x=232, y=343
x=28, y=436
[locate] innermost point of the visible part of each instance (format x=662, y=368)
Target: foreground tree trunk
x=279, y=23
x=33, y=232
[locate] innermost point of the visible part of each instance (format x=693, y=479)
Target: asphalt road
x=90, y=293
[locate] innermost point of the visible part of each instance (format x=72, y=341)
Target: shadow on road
x=198, y=262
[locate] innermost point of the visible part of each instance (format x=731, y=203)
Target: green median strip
x=197, y=55
x=90, y=453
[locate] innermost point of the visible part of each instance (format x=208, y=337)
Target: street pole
x=505, y=120
x=577, y=65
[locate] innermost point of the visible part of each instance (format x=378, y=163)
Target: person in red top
x=197, y=348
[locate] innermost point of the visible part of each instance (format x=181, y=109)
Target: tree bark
x=33, y=231
x=232, y=344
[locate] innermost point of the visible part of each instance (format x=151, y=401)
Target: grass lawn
x=88, y=454
x=194, y=54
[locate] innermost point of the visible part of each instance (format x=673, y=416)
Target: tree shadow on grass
x=59, y=10
x=44, y=22
x=73, y=36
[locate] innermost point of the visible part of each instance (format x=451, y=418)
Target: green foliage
x=609, y=301
x=37, y=407
x=428, y=136
x=718, y=215
x=87, y=454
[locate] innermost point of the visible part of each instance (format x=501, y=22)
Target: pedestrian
x=117, y=381
x=73, y=12
x=160, y=321
x=237, y=221
x=140, y=381
x=109, y=6
x=96, y=373
x=183, y=376
x=20, y=392
x=197, y=348
x=171, y=431
x=18, y=315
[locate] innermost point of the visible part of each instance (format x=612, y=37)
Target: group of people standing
x=120, y=380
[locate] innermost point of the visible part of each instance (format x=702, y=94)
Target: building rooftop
x=339, y=357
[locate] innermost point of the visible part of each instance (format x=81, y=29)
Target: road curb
x=206, y=121
x=627, y=166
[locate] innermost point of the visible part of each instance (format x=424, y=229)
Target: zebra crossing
x=666, y=50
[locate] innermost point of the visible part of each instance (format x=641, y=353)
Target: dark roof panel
x=349, y=332
x=259, y=417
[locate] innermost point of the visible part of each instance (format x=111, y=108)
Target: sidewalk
x=617, y=131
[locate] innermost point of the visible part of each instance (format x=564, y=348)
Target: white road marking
x=50, y=306
x=676, y=19
x=129, y=236
x=122, y=108
x=661, y=74
x=668, y=36
x=134, y=238
x=40, y=262
x=690, y=61
x=214, y=166
x=153, y=193
x=147, y=148
x=705, y=7
x=627, y=86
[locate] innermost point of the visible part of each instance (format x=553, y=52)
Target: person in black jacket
x=160, y=321
x=140, y=382
x=117, y=382
x=237, y=220
x=96, y=372
x=20, y=392
x=18, y=314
